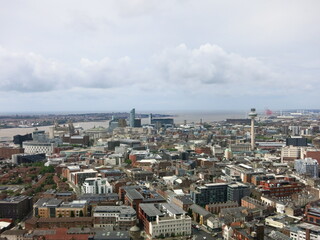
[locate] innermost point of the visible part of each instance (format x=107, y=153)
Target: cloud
x=209, y=64
x=208, y=68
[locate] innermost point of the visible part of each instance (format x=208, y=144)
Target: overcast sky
x=74, y=55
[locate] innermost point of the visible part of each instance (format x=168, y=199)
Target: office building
x=210, y=193
x=114, y=217
x=53, y=207
x=132, y=117
x=307, y=166
x=297, y=142
x=164, y=220
x=28, y=158
x=236, y=191
x=15, y=207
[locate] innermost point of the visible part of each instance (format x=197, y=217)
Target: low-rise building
x=164, y=219
x=114, y=217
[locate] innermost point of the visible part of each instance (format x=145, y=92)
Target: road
x=75, y=188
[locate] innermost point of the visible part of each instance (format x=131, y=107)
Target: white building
x=290, y=153
x=307, y=166
x=33, y=147
x=305, y=231
x=111, y=217
x=96, y=185
x=165, y=219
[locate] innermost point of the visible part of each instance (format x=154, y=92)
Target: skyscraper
x=132, y=117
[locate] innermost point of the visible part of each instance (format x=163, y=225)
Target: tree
x=72, y=214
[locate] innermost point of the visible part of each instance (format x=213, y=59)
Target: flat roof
x=150, y=209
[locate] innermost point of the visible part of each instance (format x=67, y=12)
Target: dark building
x=28, y=158
x=15, y=207
x=113, y=144
x=19, y=139
x=297, y=142
x=162, y=121
x=137, y=122
x=244, y=121
x=76, y=139
x=210, y=193
x=219, y=192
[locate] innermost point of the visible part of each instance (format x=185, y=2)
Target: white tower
x=252, y=115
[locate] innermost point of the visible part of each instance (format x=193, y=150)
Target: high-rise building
x=132, y=117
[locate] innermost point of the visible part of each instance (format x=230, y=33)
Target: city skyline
x=174, y=55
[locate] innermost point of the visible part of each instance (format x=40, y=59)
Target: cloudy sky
x=112, y=55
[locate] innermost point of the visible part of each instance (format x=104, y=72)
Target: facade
x=236, y=191
x=281, y=188
x=34, y=147
x=305, y=231
x=164, y=219
x=216, y=207
x=15, y=207
x=96, y=185
x=78, y=178
x=290, y=153
x=7, y=152
x=53, y=207
x=307, y=166
x=132, y=117
x=114, y=217
x=219, y=193
x=28, y=158
x=210, y=193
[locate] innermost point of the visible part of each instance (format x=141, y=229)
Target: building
x=28, y=158
x=236, y=191
x=307, y=166
x=114, y=217
x=290, y=153
x=19, y=139
x=164, y=219
x=297, y=142
x=34, y=147
x=78, y=178
x=7, y=152
x=210, y=193
x=280, y=188
x=53, y=207
x=219, y=192
x=304, y=231
x=96, y=185
x=216, y=207
x=15, y=207
x=132, y=117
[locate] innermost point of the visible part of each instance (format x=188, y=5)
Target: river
x=8, y=133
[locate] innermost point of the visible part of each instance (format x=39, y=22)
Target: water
x=178, y=119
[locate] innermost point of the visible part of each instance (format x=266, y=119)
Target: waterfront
x=178, y=119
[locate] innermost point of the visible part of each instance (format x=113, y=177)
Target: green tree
x=72, y=214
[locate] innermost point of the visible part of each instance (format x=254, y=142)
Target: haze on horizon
x=202, y=55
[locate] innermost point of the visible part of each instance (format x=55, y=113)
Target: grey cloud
x=210, y=64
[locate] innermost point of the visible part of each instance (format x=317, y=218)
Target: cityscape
x=150, y=120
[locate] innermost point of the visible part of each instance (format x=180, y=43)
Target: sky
x=195, y=55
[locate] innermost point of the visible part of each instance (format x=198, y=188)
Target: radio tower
x=252, y=115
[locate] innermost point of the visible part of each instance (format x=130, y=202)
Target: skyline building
x=132, y=117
